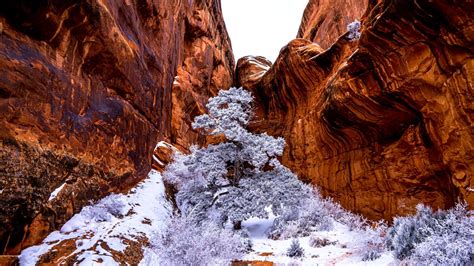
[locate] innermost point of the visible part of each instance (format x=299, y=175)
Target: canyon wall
x=324, y=21
x=87, y=89
x=381, y=123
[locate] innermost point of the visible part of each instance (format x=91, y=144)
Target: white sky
x=262, y=27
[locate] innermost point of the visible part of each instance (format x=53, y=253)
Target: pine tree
x=295, y=249
x=238, y=178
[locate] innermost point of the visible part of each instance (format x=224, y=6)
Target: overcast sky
x=262, y=27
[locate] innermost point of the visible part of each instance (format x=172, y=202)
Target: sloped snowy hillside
x=114, y=230
x=119, y=228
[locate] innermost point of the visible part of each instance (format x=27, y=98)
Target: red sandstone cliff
x=86, y=92
x=383, y=123
x=88, y=88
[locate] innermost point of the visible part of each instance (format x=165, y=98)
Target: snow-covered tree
x=295, y=249
x=238, y=178
x=226, y=163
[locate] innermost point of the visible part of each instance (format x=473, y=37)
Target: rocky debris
x=86, y=92
x=381, y=123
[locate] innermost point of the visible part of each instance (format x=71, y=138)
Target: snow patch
x=176, y=80
x=164, y=144
x=256, y=62
x=55, y=193
x=342, y=250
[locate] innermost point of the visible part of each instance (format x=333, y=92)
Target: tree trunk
x=237, y=225
x=237, y=172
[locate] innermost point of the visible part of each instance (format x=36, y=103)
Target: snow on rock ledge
x=163, y=155
x=112, y=231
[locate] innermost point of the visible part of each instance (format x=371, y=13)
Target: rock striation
x=324, y=22
x=87, y=89
x=381, y=123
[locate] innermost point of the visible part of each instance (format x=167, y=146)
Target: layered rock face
x=380, y=123
x=324, y=22
x=86, y=92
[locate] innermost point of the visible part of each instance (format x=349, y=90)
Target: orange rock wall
x=86, y=92
x=207, y=67
x=324, y=21
x=382, y=123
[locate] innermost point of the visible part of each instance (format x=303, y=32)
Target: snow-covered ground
x=342, y=249
x=109, y=231
x=118, y=229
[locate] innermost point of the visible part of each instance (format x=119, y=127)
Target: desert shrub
x=373, y=242
x=295, y=249
x=441, y=237
x=185, y=243
x=105, y=209
x=354, y=30
x=450, y=241
x=300, y=220
x=318, y=242
x=338, y=213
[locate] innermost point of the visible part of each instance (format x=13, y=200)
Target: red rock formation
x=381, y=123
x=207, y=67
x=86, y=93
x=324, y=21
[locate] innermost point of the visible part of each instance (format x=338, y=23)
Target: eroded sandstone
x=86, y=92
x=381, y=123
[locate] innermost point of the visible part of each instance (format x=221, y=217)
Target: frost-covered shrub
x=318, y=242
x=371, y=253
x=354, y=30
x=373, y=242
x=355, y=222
x=295, y=249
x=338, y=213
x=406, y=232
x=245, y=239
x=105, y=209
x=194, y=199
x=300, y=220
x=185, y=243
x=441, y=237
x=177, y=172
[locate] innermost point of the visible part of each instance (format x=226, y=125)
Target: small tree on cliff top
x=236, y=179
